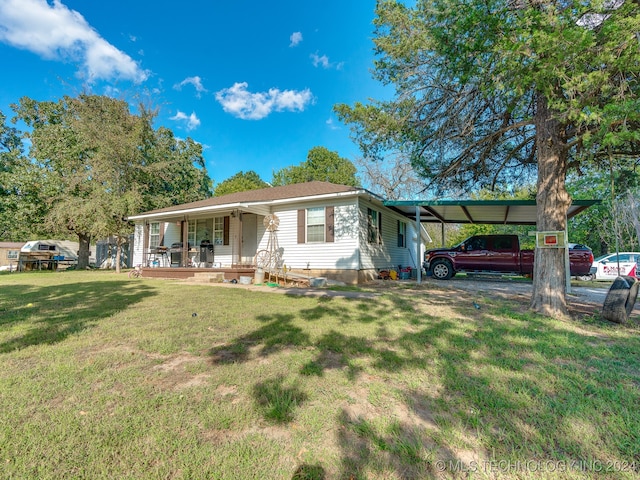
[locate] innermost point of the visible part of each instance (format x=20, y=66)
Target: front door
x=249, y=237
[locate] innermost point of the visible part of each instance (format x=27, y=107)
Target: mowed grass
x=102, y=376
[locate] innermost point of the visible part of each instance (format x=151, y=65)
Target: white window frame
x=402, y=234
x=218, y=230
x=373, y=226
x=191, y=232
x=320, y=221
x=154, y=234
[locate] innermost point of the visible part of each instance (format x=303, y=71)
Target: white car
x=605, y=267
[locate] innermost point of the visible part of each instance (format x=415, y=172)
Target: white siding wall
x=226, y=255
x=342, y=253
x=172, y=234
x=138, y=244
x=350, y=249
x=386, y=254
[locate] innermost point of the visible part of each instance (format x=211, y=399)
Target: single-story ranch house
x=316, y=229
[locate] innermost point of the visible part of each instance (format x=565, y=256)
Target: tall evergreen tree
x=500, y=91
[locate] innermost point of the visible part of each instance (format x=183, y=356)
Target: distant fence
x=106, y=254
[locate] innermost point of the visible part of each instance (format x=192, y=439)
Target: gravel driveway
x=504, y=287
x=510, y=287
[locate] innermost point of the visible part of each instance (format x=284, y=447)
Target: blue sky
x=254, y=82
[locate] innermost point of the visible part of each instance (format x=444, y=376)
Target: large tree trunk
x=633, y=212
x=553, y=201
x=83, y=251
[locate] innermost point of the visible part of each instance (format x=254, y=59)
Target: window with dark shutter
x=315, y=225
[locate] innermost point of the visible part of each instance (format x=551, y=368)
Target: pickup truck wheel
x=442, y=270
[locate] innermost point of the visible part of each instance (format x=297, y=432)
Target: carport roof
x=503, y=212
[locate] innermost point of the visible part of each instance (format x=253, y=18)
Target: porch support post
x=145, y=244
x=185, y=243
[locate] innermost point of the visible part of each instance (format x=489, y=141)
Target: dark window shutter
x=161, y=227
x=328, y=222
x=379, y=227
x=301, y=226
x=225, y=231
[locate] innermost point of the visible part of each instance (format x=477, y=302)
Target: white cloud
x=296, y=38
x=241, y=103
x=323, y=61
x=58, y=33
x=195, y=81
x=191, y=121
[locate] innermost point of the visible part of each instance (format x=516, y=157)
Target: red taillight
x=591, y=257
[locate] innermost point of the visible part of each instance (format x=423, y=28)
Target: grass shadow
x=47, y=315
x=381, y=446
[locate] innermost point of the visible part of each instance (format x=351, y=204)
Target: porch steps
x=295, y=279
x=206, y=277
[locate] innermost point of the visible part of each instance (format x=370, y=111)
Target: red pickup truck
x=494, y=254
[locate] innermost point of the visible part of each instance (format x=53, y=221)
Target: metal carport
x=495, y=212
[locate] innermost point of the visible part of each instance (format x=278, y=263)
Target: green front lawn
x=102, y=376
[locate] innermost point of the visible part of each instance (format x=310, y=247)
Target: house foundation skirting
x=182, y=272
x=350, y=277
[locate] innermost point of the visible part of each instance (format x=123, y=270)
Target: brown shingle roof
x=296, y=190
x=12, y=245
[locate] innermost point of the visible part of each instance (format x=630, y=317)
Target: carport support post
x=419, y=245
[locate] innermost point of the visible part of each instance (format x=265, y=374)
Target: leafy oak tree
x=240, y=182
x=175, y=171
x=502, y=91
x=16, y=208
x=95, y=163
x=321, y=164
